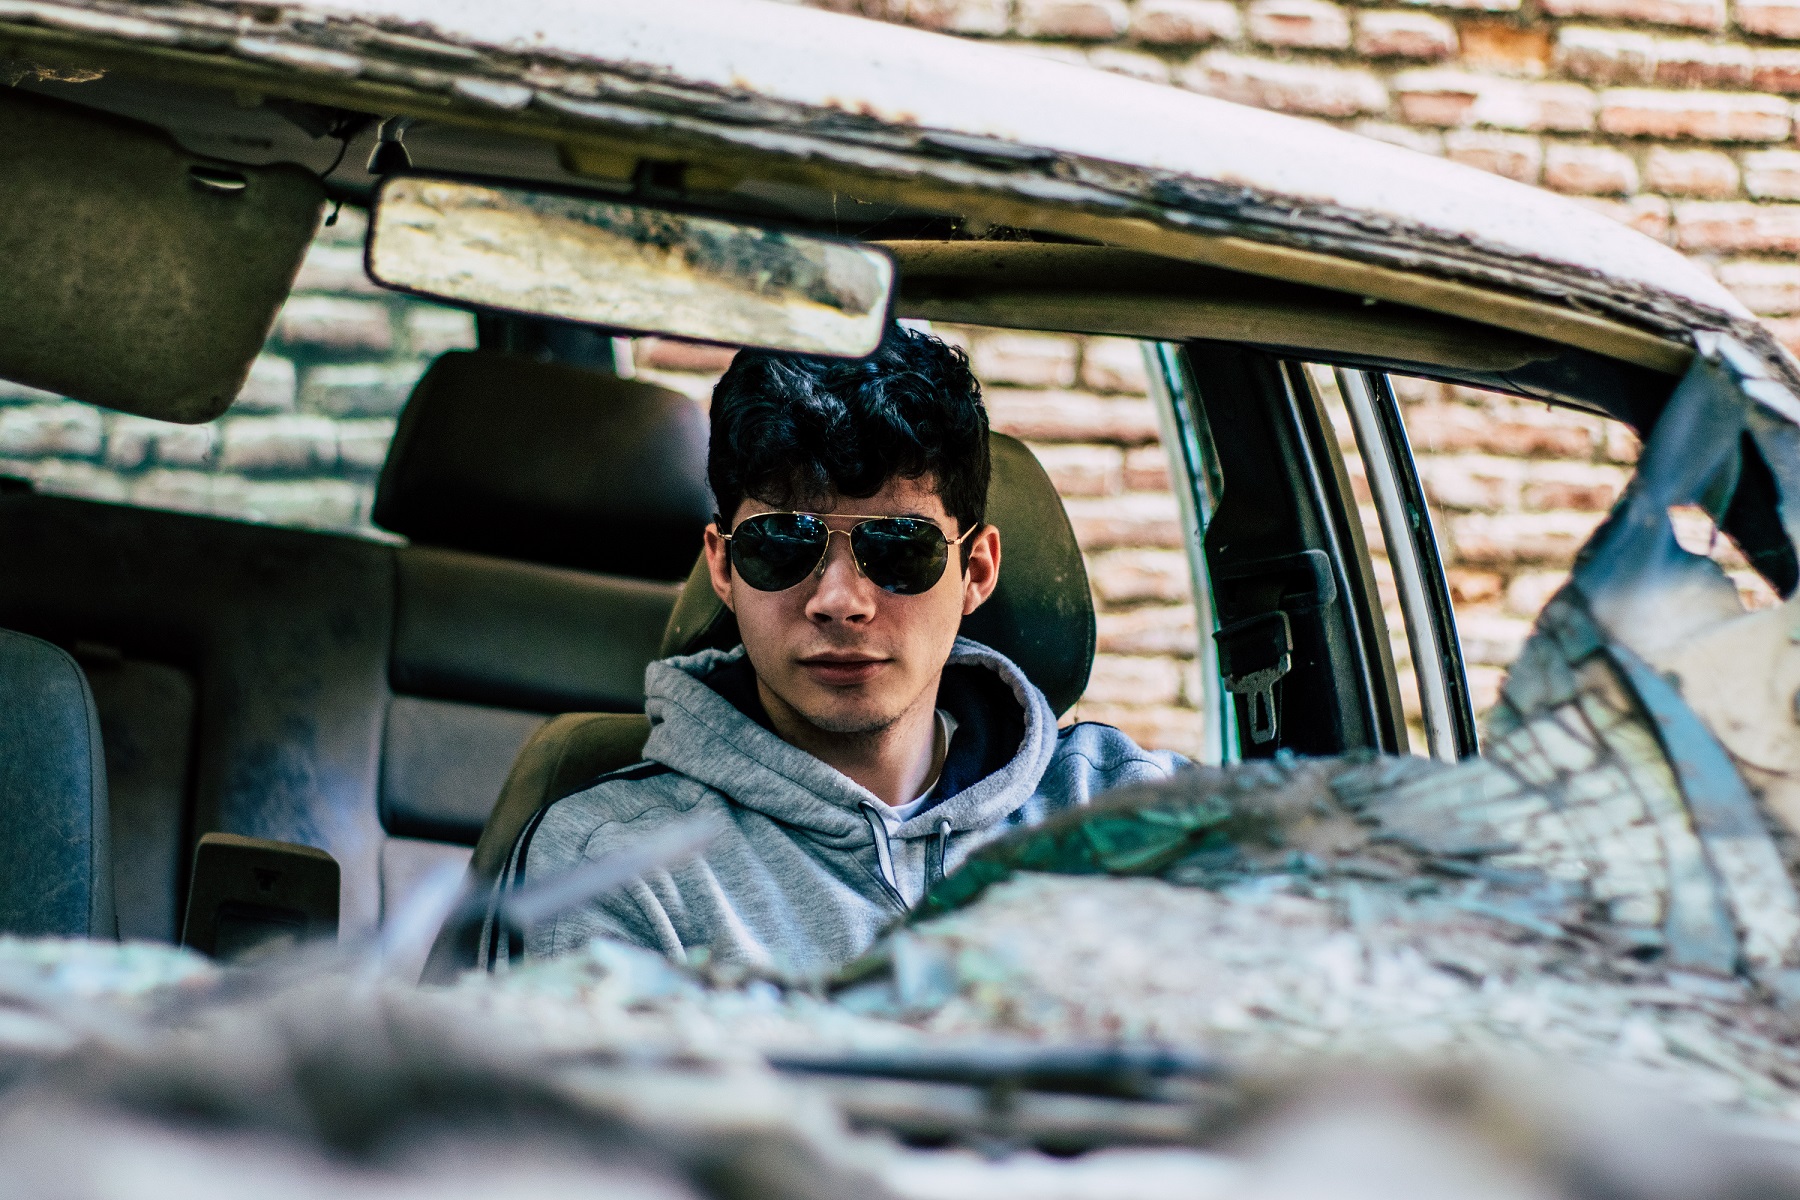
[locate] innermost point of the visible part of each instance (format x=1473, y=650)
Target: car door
x=1300, y=656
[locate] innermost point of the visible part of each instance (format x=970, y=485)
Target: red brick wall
x=1672, y=115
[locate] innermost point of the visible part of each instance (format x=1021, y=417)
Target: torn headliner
x=890, y=102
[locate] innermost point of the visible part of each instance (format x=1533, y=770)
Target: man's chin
x=848, y=723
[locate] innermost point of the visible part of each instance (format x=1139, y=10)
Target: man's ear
x=718, y=564
x=982, y=572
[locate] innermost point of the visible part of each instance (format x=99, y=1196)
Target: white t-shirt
x=895, y=815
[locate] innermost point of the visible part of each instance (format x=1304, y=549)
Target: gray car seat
x=352, y=695
x=53, y=814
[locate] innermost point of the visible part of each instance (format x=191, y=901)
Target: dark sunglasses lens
x=775, y=551
x=901, y=555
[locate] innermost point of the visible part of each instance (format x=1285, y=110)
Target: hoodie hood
x=699, y=733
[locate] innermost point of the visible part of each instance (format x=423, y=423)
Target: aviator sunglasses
x=904, y=555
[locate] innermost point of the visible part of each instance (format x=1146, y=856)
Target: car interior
x=400, y=703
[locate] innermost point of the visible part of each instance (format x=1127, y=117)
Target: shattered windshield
x=1277, y=975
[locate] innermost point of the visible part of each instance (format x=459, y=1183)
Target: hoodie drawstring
x=884, y=853
x=934, y=864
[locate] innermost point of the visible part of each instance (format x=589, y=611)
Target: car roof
x=887, y=115
x=914, y=78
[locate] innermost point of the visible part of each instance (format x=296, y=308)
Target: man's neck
x=895, y=762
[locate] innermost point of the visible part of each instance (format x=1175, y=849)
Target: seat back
x=363, y=698
x=53, y=812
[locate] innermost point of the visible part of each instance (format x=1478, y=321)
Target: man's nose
x=843, y=592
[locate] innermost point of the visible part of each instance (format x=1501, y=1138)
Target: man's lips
x=842, y=670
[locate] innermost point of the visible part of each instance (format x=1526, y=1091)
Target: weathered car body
x=1012, y=192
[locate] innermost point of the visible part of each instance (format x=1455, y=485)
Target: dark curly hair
x=790, y=429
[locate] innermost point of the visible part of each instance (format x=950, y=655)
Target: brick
x=1491, y=6
x=1471, y=483
x=68, y=477
x=1158, y=630
x=1773, y=174
x=1690, y=63
x=312, y=503
x=1071, y=20
x=430, y=331
x=271, y=387
x=1071, y=417
x=64, y=429
x=669, y=354
x=1484, y=539
x=1135, y=63
x=1424, y=141
x=1529, y=591
x=1169, y=728
x=363, y=444
x=1649, y=215
x=1515, y=155
x=189, y=491
x=294, y=442
x=1509, y=429
x=1025, y=359
x=359, y=389
x=133, y=442
x=1298, y=24
x=1285, y=86
x=1606, y=56
x=1503, y=48
x=1473, y=587
x=1708, y=173
x=1737, y=227
x=1687, y=14
x=1484, y=688
x=1139, y=519
x=1084, y=470
x=1572, y=486
x=1121, y=577
x=1118, y=679
x=1620, y=445
x=1770, y=18
x=1146, y=469
x=1459, y=98
x=336, y=323
x=1184, y=22
x=1113, y=365
x=1766, y=288
x=1702, y=116
x=1776, y=70
x=129, y=440
x=1589, y=170
x=333, y=268
x=1491, y=639
x=1786, y=331
x=1404, y=35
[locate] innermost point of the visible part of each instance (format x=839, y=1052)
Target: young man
x=853, y=749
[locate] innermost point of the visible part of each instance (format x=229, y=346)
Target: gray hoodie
x=804, y=873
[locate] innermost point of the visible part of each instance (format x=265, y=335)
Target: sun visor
x=138, y=276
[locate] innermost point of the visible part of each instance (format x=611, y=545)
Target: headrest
x=1041, y=614
x=548, y=463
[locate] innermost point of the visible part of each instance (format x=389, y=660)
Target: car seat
x=1040, y=615
x=53, y=815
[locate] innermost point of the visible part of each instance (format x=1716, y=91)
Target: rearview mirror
x=627, y=267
